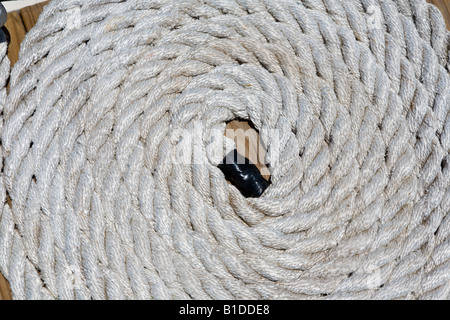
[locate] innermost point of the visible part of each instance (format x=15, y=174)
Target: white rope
x=351, y=99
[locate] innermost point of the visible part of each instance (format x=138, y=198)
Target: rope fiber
x=351, y=100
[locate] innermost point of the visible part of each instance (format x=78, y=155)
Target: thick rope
x=351, y=99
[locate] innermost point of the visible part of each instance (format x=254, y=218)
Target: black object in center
x=243, y=174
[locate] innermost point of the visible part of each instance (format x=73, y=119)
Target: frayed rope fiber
x=95, y=206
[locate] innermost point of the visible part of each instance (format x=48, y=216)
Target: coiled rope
x=94, y=205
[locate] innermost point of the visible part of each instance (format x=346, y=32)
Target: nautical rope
x=351, y=100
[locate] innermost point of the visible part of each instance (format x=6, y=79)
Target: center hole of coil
x=245, y=167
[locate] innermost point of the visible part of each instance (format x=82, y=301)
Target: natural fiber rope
x=360, y=198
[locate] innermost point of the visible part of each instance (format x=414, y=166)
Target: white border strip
x=19, y=4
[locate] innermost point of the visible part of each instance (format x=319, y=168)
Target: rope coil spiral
x=94, y=206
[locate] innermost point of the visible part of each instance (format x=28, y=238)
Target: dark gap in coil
x=243, y=174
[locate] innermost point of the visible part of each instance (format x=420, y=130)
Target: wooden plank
x=18, y=24
x=5, y=291
x=17, y=30
x=31, y=14
x=248, y=144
